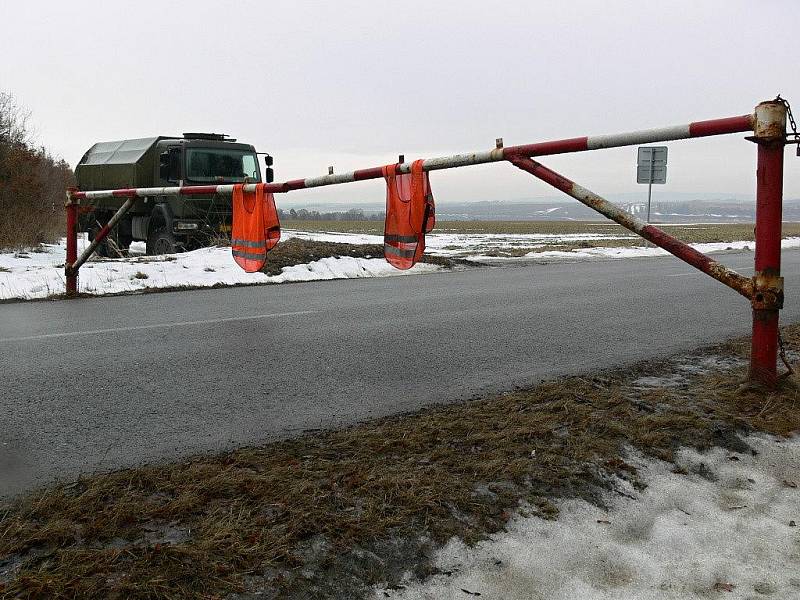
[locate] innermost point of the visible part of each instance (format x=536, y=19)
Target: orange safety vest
x=256, y=228
x=410, y=214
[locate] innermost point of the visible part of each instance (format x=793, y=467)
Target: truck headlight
x=186, y=225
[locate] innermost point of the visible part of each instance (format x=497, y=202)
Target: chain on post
x=792, y=124
x=783, y=356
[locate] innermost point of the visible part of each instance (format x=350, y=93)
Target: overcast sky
x=352, y=84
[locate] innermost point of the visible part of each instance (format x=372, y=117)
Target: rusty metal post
x=769, y=134
x=71, y=273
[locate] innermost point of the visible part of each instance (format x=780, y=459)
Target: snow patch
x=477, y=246
x=41, y=274
x=729, y=534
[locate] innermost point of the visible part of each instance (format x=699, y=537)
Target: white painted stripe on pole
x=646, y=136
x=609, y=209
x=330, y=179
x=430, y=164
x=163, y=191
x=48, y=336
x=460, y=160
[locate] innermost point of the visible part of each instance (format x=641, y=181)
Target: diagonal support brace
x=729, y=277
x=72, y=269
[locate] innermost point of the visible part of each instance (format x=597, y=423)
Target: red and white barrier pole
x=678, y=132
x=770, y=131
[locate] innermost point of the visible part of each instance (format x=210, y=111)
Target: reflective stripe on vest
x=248, y=255
x=256, y=228
x=409, y=215
x=235, y=242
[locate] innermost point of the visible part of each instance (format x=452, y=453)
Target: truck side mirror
x=269, y=175
x=268, y=160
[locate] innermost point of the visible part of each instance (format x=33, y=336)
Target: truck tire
x=162, y=241
x=114, y=246
x=103, y=249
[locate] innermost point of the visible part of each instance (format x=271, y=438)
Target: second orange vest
x=410, y=214
x=256, y=228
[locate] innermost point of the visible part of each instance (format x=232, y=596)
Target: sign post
x=651, y=168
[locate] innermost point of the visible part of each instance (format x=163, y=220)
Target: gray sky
x=353, y=84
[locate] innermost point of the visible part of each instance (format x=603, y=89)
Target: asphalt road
x=100, y=383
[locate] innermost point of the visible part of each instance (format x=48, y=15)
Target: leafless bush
x=32, y=183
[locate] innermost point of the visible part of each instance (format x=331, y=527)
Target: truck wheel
x=102, y=250
x=114, y=246
x=162, y=241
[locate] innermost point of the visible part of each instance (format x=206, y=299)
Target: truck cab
x=167, y=223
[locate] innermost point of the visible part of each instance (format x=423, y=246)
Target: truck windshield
x=216, y=165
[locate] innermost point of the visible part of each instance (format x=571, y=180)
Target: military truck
x=166, y=223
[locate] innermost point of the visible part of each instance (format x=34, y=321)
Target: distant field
x=697, y=233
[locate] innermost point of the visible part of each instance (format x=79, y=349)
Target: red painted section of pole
x=371, y=173
x=769, y=135
x=694, y=257
x=769, y=204
x=546, y=148
x=101, y=235
x=72, y=248
x=764, y=348
x=721, y=126
x=294, y=184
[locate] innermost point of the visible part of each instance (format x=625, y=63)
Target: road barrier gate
x=764, y=289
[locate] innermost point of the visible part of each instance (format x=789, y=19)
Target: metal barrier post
x=70, y=273
x=770, y=130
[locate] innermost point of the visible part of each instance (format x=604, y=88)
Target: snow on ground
x=696, y=365
x=461, y=244
x=637, y=252
x=40, y=274
x=474, y=246
x=727, y=529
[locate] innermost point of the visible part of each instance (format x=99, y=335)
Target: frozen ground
x=723, y=526
x=471, y=245
x=39, y=274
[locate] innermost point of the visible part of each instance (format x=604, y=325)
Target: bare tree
x=32, y=183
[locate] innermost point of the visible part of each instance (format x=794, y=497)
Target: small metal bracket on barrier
x=767, y=292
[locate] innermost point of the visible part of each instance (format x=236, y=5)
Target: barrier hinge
x=767, y=291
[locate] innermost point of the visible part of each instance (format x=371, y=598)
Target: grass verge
x=330, y=513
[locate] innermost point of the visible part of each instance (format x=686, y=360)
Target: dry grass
x=295, y=251
x=328, y=513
